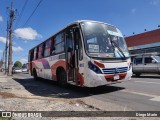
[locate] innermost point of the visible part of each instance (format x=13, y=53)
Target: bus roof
x=80, y=21
x=73, y=23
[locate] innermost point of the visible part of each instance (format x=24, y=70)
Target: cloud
x=23, y=60
x=3, y=39
x=1, y=19
x=155, y=2
x=17, y=49
x=27, y=34
x=133, y=10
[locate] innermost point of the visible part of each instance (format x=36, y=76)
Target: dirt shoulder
x=15, y=97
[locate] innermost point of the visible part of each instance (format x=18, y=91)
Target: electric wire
x=21, y=14
x=32, y=13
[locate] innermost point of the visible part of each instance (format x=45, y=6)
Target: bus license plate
x=116, y=77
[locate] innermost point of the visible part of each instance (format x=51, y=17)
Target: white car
x=17, y=70
x=24, y=69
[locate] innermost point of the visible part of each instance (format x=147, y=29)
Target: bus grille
x=115, y=70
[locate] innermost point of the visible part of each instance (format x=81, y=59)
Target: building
x=147, y=42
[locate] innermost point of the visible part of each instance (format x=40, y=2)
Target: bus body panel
x=46, y=67
x=87, y=77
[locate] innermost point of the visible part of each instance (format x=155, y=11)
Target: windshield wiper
x=115, y=44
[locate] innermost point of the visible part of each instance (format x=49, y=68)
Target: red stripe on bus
x=34, y=65
x=81, y=79
x=60, y=63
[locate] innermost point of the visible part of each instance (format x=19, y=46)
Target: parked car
x=146, y=64
x=24, y=70
x=17, y=70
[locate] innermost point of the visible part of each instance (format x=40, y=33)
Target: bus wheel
x=62, y=78
x=35, y=74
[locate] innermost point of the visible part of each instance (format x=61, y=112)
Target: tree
x=18, y=64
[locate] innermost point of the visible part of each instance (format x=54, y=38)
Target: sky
x=53, y=15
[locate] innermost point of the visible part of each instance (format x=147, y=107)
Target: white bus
x=85, y=53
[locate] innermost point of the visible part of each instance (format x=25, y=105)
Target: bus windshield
x=102, y=40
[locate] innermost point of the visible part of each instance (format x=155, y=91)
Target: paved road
x=138, y=94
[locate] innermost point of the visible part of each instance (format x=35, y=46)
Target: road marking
x=139, y=93
x=147, y=82
x=156, y=99
x=153, y=97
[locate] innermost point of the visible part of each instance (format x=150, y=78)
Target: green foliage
x=18, y=64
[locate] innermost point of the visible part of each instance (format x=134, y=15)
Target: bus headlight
x=94, y=68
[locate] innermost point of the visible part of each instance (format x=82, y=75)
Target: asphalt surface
x=139, y=94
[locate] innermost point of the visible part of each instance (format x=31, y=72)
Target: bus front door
x=71, y=51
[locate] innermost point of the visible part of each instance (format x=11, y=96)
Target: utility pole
x=3, y=58
x=12, y=17
x=6, y=50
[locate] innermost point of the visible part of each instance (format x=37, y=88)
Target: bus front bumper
x=94, y=80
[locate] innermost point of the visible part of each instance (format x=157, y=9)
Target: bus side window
x=43, y=46
x=35, y=52
x=59, y=43
x=53, y=46
x=40, y=51
x=47, y=48
x=31, y=55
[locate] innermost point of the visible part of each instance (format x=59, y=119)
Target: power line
x=33, y=12
x=22, y=11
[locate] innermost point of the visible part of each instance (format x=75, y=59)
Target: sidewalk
x=14, y=96
x=3, y=77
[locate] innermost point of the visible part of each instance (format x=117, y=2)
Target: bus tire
x=62, y=78
x=35, y=75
